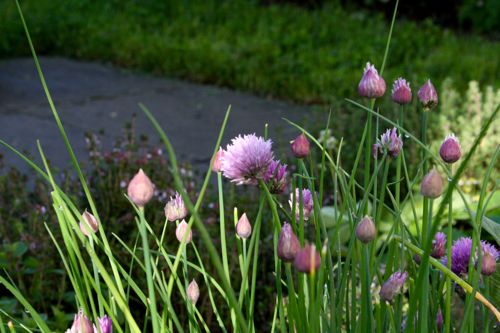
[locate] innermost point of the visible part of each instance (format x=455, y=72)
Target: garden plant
x=369, y=249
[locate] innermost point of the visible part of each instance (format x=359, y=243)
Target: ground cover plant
x=412, y=277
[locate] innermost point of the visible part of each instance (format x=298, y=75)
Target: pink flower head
x=371, y=85
x=393, y=286
x=243, y=227
x=217, y=165
x=140, y=189
x=247, y=159
x=175, y=209
x=401, y=92
x=275, y=177
x=450, y=150
x=390, y=142
x=307, y=260
x=300, y=146
x=428, y=95
x=439, y=245
x=307, y=203
x=461, y=252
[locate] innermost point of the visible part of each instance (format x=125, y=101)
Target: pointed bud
x=175, y=209
x=365, y=231
x=432, y=185
x=181, y=229
x=307, y=260
x=105, y=324
x=393, y=286
x=217, y=165
x=489, y=259
x=140, y=189
x=81, y=324
x=439, y=245
x=307, y=203
x=439, y=320
x=428, y=95
x=193, y=292
x=89, y=223
x=300, y=146
x=371, y=85
x=401, y=92
x=288, y=243
x=243, y=227
x=450, y=150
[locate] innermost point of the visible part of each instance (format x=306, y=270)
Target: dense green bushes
x=285, y=51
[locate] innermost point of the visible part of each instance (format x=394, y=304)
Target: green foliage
x=309, y=56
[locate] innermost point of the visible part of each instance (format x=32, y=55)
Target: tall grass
x=342, y=294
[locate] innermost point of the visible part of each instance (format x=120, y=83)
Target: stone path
x=91, y=96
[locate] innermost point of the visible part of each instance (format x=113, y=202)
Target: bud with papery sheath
x=432, y=185
x=300, y=146
x=365, y=230
x=81, y=324
x=140, y=189
x=288, y=243
x=193, y=292
x=489, y=259
x=181, y=229
x=428, y=95
x=243, y=227
x=450, y=150
x=401, y=92
x=175, y=209
x=217, y=165
x=371, y=85
x=89, y=224
x=307, y=260
x=105, y=324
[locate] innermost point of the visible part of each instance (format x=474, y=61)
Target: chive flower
x=428, y=95
x=371, y=85
x=175, y=209
x=275, y=177
x=389, y=142
x=140, y=189
x=288, y=243
x=401, y=92
x=393, y=286
x=461, y=255
x=307, y=203
x=450, y=150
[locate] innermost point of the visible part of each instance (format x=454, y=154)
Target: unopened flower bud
x=193, y=292
x=393, y=286
x=365, y=230
x=439, y=320
x=105, y=324
x=243, y=227
x=300, y=146
x=140, y=189
x=439, y=245
x=450, y=150
x=488, y=264
x=288, y=243
x=428, y=95
x=89, y=223
x=81, y=324
x=175, y=209
x=307, y=203
x=371, y=85
x=217, y=165
x=401, y=92
x=181, y=230
x=432, y=185
x=307, y=260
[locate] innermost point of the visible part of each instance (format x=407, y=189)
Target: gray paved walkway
x=94, y=96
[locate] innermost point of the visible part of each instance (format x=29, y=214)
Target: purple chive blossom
x=439, y=245
x=275, y=177
x=307, y=203
x=401, y=92
x=81, y=324
x=105, y=324
x=461, y=252
x=175, y=209
x=450, y=150
x=371, y=85
x=393, y=286
x=391, y=142
x=247, y=159
x=428, y=95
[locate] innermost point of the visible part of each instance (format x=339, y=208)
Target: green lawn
x=309, y=56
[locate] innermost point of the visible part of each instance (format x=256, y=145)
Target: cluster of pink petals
x=401, y=92
x=307, y=203
x=461, y=255
x=275, y=177
x=393, y=286
x=175, y=209
x=390, y=142
x=247, y=159
x=371, y=85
